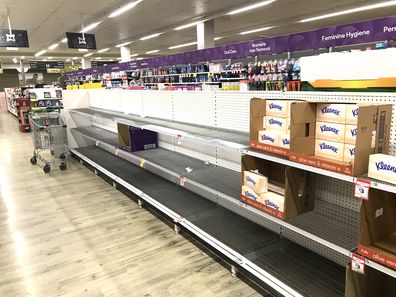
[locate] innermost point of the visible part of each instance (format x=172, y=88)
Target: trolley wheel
x=47, y=168
x=63, y=166
x=62, y=156
x=33, y=160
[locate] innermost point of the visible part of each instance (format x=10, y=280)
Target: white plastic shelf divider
x=388, y=187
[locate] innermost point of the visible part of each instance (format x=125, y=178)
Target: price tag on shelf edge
x=357, y=263
x=182, y=179
x=179, y=139
x=362, y=188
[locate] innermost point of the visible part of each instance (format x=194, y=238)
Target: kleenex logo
x=352, y=152
x=250, y=195
x=354, y=132
x=325, y=146
x=275, y=122
x=275, y=106
x=271, y=204
x=250, y=180
x=355, y=112
x=330, y=110
x=383, y=166
x=285, y=141
x=325, y=128
x=268, y=138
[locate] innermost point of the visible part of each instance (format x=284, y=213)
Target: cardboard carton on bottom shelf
x=377, y=235
x=371, y=118
x=371, y=283
x=290, y=190
x=134, y=139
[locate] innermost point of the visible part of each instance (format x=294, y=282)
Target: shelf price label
x=142, y=162
x=179, y=139
x=357, y=263
x=362, y=188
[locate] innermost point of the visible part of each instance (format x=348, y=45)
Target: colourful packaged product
x=273, y=200
x=278, y=108
x=284, y=140
x=382, y=167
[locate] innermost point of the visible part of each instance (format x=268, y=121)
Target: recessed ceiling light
x=84, y=50
x=124, y=8
x=53, y=46
x=250, y=7
x=64, y=40
x=40, y=53
x=88, y=55
x=134, y=55
x=150, y=36
x=124, y=44
x=255, y=30
x=139, y=59
x=12, y=49
x=183, y=45
x=90, y=27
x=348, y=11
x=152, y=52
x=103, y=50
x=188, y=25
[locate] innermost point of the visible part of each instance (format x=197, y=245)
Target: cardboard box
x=329, y=149
x=371, y=118
x=352, y=114
x=349, y=153
x=284, y=140
x=350, y=134
x=297, y=184
x=304, y=127
x=382, y=167
x=134, y=139
x=255, y=181
x=371, y=283
x=377, y=234
x=330, y=131
x=330, y=112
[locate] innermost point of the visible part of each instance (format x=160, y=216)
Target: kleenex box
x=278, y=108
x=269, y=137
x=350, y=134
x=329, y=149
x=276, y=123
x=273, y=200
x=255, y=181
x=382, y=167
x=349, y=152
x=352, y=114
x=330, y=131
x=333, y=113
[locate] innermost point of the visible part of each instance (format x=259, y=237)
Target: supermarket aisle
x=70, y=234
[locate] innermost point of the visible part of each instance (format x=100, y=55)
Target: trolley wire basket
x=49, y=134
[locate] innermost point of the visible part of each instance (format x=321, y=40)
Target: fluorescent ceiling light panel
x=53, y=46
x=152, y=52
x=64, y=40
x=88, y=55
x=12, y=49
x=218, y=38
x=83, y=50
x=348, y=11
x=124, y=8
x=103, y=50
x=182, y=45
x=188, y=25
x=44, y=60
x=23, y=57
x=255, y=30
x=98, y=58
x=68, y=60
x=40, y=53
x=50, y=58
x=150, y=36
x=134, y=55
x=90, y=27
x=124, y=44
x=250, y=7
x=74, y=58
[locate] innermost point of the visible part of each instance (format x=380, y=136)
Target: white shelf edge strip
x=230, y=253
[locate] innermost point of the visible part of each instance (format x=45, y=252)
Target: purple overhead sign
x=361, y=32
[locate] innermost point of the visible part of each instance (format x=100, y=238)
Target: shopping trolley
x=49, y=133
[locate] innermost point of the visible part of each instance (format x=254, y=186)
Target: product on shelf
x=382, y=167
x=134, y=139
x=289, y=190
x=351, y=154
x=272, y=133
x=377, y=237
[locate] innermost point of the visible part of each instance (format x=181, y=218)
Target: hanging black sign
x=102, y=63
x=78, y=40
x=47, y=64
x=17, y=38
